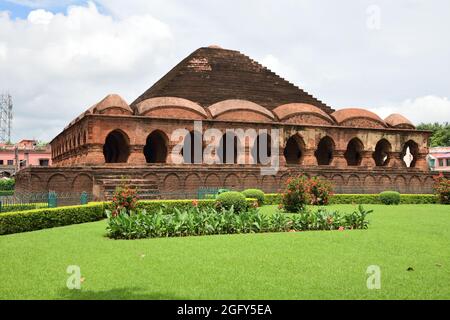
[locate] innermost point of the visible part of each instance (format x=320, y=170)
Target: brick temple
x=113, y=140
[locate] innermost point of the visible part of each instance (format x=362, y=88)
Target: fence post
x=1, y=205
x=52, y=199
x=84, y=198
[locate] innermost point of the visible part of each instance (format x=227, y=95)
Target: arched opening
x=262, y=148
x=293, y=151
x=353, y=155
x=324, y=152
x=116, y=148
x=410, y=153
x=382, y=153
x=192, y=141
x=228, y=148
x=155, y=149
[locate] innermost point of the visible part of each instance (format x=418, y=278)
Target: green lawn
x=304, y=265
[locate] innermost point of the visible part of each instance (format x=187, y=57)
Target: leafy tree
x=440, y=133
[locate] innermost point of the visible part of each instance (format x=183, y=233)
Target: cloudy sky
x=59, y=57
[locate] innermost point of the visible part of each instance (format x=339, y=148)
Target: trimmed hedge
x=156, y=205
x=419, y=199
x=390, y=197
x=22, y=207
x=275, y=199
x=7, y=184
x=233, y=199
x=6, y=193
x=23, y=221
x=255, y=194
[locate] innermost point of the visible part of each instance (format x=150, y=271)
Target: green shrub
x=255, y=194
x=273, y=198
x=7, y=184
x=276, y=199
x=209, y=221
x=355, y=199
x=22, y=207
x=23, y=221
x=418, y=199
x=375, y=199
x=233, y=199
x=296, y=195
x=6, y=192
x=390, y=197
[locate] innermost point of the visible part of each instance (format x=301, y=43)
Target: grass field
x=304, y=265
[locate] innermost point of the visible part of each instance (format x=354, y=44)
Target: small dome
x=240, y=110
x=356, y=117
x=112, y=101
x=302, y=113
x=171, y=107
x=398, y=121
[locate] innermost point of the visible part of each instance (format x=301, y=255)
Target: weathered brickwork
x=354, y=148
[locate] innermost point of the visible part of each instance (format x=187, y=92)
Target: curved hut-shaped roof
x=357, y=117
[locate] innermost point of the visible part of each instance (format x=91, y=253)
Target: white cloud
x=57, y=65
x=423, y=109
x=58, y=69
x=40, y=17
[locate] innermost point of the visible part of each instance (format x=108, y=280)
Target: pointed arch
x=325, y=150
x=155, y=149
x=353, y=154
x=116, y=148
x=294, y=150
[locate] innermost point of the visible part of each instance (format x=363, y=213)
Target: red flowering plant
x=124, y=199
x=442, y=188
x=296, y=196
x=320, y=190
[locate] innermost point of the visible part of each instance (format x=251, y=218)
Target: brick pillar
x=367, y=159
x=95, y=154
x=422, y=163
x=137, y=154
x=339, y=159
x=309, y=159
x=396, y=160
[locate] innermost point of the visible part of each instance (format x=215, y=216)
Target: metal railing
x=29, y=201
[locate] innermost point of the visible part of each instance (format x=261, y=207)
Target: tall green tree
x=440, y=133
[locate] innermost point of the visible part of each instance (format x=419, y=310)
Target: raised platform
x=184, y=181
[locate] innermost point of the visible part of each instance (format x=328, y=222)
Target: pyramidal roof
x=212, y=74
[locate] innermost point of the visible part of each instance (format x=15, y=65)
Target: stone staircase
x=146, y=189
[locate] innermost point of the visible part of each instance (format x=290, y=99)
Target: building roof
x=344, y=115
x=397, y=120
x=212, y=74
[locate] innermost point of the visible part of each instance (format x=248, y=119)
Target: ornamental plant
x=255, y=194
x=390, y=197
x=296, y=194
x=124, y=200
x=232, y=199
x=442, y=188
x=320, y=191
